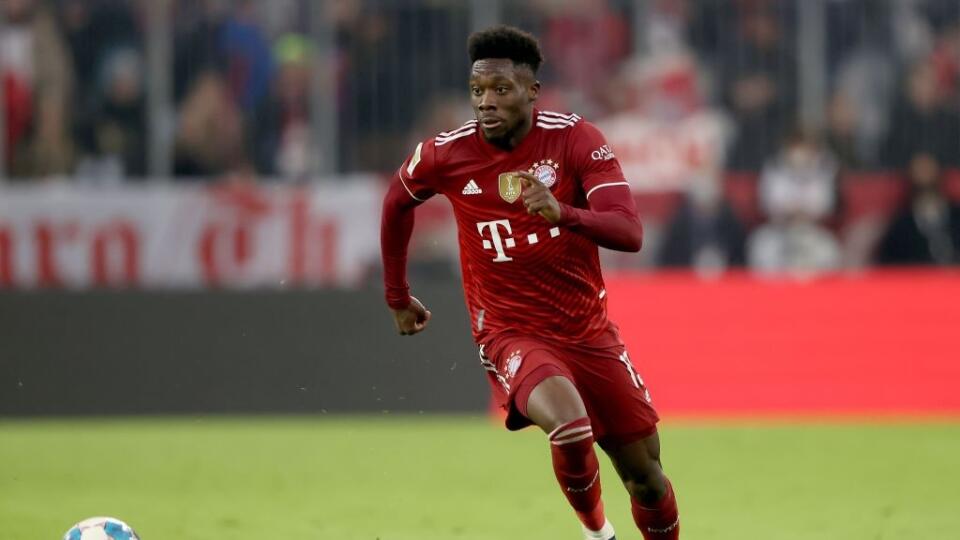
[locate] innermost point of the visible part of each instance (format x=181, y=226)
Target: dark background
x=217, y=352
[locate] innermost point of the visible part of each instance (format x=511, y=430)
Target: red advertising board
x=881, y=342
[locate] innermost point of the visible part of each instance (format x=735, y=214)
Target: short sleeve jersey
x=520, y=273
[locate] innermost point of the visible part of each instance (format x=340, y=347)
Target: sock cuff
x=571, y=432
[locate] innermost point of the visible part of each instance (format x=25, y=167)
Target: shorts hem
x=609, y=442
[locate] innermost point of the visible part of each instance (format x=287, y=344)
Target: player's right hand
x=411, y=319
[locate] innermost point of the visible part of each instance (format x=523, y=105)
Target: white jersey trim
x=466, y=125
x=594, y=188
x=553, y=126
x=408, y=189
x=552, y=120
x=573, y=117
x=440, y=141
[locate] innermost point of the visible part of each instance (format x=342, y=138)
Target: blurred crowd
x=76, y=84
x=242, y=73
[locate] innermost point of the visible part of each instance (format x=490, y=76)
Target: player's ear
x=533, y=91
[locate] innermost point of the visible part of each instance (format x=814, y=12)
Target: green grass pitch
x=397, y=477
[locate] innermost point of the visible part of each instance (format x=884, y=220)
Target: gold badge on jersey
x=510, y=187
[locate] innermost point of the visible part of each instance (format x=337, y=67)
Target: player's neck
x=512, y=140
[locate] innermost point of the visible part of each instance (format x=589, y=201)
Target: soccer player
x=534, y=193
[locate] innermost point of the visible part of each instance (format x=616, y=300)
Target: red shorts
x=616, y=399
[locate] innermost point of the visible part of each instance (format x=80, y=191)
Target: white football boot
x=605, y=533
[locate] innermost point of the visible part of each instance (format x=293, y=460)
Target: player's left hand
x=538, y=198
x=412, y=319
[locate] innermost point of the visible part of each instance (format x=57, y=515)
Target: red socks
x=578, y=471
x=661, y=522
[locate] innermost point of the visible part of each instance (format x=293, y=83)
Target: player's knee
x=645, y=482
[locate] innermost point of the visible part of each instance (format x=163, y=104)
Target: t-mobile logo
x=497, y=242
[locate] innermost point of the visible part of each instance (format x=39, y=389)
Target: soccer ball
x=101, y=528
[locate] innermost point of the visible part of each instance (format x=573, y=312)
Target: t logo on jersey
x=497, y=242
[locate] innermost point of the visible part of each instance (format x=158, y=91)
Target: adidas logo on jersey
x=471, y=188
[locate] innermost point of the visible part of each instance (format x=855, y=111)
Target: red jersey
x=520, y=273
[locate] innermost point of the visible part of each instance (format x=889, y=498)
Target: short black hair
x=505, y=42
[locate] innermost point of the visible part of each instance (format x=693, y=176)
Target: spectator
x=38, y=74
x=94, y=30
x=862, y=73
x=946, y=54
x=592, y=39
x=228, y=40
x=448, y=110
x=209, y=137
x=798, y=192
x=197, y=49
x=282, y=134
x=927, y=229
x=666, y=26
x=921, y=123
x=946, y=63
x=759, y=77
x=705, y=233
x=843, y=137
x=249, y=57
x=112, y=134
x=858, y=114
x=386, y=49
x=708, y=26
x=663, y=131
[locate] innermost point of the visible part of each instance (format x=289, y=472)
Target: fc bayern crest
x=513, y=364
x=546, y=171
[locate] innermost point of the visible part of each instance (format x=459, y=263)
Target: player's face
x=502, y=95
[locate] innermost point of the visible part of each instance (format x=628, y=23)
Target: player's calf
x=659, y=521
x=578, y=470
x=555, y=406
x=652, y=501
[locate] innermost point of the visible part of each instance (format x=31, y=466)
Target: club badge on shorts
x=510, y=187
x=513, y=363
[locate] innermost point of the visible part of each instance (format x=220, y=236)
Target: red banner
x=881, y=342
x=168, y=235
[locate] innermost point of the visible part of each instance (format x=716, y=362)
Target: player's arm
x=611, y=217
x=405, y=193
x=611, y=220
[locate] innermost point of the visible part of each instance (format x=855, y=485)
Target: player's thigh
x=554, y=401
x=520, y=365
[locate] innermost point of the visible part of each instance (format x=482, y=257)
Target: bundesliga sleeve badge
x=510, y=187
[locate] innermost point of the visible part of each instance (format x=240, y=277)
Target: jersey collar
x=527, y=140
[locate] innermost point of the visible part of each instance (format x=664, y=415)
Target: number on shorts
x=634, y=376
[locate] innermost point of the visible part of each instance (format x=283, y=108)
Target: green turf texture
x=430, y=478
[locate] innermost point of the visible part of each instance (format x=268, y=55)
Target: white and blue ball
x=101, y=528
